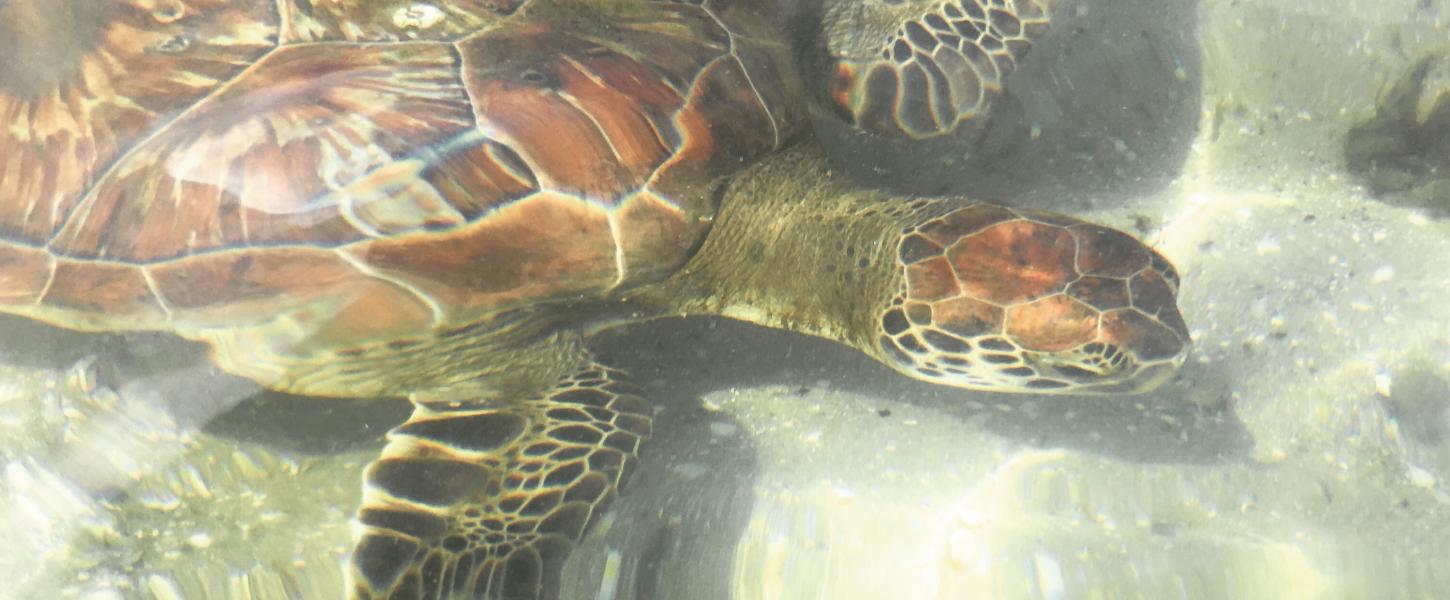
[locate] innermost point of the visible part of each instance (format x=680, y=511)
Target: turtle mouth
x=1112, y=371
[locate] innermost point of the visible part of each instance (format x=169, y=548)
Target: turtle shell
x=363, y=171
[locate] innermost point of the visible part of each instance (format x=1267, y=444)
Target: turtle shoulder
x=221, y=165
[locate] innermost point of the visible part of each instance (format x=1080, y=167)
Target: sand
x=1302, y=453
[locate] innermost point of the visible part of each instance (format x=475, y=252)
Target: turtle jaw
x=999, y=365
x=1091, y=373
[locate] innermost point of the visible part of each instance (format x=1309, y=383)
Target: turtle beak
x=1111, y=369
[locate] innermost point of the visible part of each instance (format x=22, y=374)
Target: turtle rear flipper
x=474, y=499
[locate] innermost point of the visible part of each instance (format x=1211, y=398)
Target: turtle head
x=1019, y=301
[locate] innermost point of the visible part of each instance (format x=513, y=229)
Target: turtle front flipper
x=475, y=499
x=921, y=68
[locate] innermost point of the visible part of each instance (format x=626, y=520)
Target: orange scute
x=1016, y=261
x=374, y=311
x=1148, y=338
x=103, y=289
x=23, y=272
x=655, y=236
x=245, y=285
x=1108, y=252
x=545, y=245
x=1052, y=324
x=967, y=317
x=843, y=86
x=1101, y=293
x=965, y=221
x=931, y=280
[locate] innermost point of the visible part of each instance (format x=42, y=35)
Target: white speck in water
x=247, y=466
x=1049, y=576
x=1268, y=245
x=689, y=470
x=1383, y=274
x=609, y=583
x=969, y=552
x=162, y=588
x=1420, y=477
x=1277, y=324
x=199, y=540
x=1383, y=382
x=971, y=518
x=419, y=15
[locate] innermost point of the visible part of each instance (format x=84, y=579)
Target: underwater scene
x=724, y=299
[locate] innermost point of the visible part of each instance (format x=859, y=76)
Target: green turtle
x=442, y=199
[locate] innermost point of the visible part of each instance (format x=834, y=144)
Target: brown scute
x=843, y=91
x=95, y=77
x=655, y=236
x=559, y=135
x=941, y=99
x=1148, y=338
x=543, y=246
x=913, y=103
x=1108, y=252
x=675, y=37
x=1052, y=324
x=963, y=222
x=1153, y=295
x=931, y=280
x=339, y=306
x=481, y=432
x=380, y=560
x=474, y=174
x=722, y=95
x=263, y=280
x=966, y=317
x=23, y=273
x=1016, y=261
x=1004, y=23
x=596, y=116
x=119, y=292
x=412, y=523
x=629, y=103
x=376, y=311
x=332, y=21
x=434, y=482
x=395, y=199
x=1101, y=293
x=965, y=84
x=915, y=248
x=51, y=37
x=272, y=158
x=878, y=100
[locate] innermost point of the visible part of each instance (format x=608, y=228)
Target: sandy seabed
x=1303, y=452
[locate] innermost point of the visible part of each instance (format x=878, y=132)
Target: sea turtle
x=442, y=199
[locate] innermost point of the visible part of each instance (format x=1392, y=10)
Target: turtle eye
x=537, y=77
